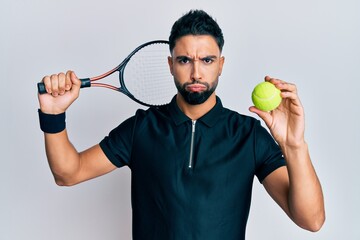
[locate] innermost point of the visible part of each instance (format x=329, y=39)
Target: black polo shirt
x=192, y=180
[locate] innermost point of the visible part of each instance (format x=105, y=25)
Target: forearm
x=68, y=166
x=63, y=158
x=305, y=197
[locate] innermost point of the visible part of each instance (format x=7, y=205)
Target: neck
x=195, y=112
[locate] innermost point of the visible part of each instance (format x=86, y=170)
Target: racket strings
x=147, y=75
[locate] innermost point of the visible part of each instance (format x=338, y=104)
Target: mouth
x=195, y=87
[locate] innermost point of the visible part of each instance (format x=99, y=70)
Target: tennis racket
x=144, y=75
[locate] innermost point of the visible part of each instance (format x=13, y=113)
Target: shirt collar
x=209, y=119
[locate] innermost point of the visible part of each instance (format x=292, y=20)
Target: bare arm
x=68, y=166
x=296, y=188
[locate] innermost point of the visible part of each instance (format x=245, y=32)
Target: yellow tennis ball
x=266, y=96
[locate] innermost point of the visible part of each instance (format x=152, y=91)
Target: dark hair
x=196, y=22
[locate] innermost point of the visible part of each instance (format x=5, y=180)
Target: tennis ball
x=266, y=96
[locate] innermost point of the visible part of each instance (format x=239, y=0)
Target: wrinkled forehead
x=196, y=45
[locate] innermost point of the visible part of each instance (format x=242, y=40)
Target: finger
x=47, y=82
x=61, y=83
x=68, y=83
x=268, y=78
x=54, y=79
x=287, y=87
x=289, y=91
x=76, y=83
x=281, y=84
x=278, y=83
x=274, y=81
x=291, y=96
x=266, y=116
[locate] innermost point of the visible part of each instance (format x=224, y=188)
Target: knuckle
x=61, y=75
x=46, y=79
x=53, y=77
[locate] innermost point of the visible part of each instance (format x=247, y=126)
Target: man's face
x=196, y=65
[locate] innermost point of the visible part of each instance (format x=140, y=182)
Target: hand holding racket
x=146, y=73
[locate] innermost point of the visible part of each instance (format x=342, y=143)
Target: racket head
x=145, y=75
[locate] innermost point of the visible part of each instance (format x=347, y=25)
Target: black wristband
x=52, y=123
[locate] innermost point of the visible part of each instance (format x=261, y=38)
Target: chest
x=193, y=152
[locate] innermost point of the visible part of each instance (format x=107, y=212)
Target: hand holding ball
x=266, y=96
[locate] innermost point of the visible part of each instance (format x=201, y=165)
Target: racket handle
x=85, y=82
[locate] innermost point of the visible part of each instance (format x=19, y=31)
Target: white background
x=313, y=43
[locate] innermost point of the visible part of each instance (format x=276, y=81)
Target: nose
x=195, y=74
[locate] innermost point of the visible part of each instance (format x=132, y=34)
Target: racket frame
x=91, y=82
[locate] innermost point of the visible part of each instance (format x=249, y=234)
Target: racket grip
x=41, y=88
x=85, y=82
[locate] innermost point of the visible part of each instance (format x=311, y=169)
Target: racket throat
x=192, y=144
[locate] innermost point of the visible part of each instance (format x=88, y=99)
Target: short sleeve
x=268, y=155
x=117, y=145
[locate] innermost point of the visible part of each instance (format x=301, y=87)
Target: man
x=193, y=161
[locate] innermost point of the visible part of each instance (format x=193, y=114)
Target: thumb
x=265, y=116
x=76, y=82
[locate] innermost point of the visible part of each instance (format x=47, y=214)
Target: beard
x=195, y=98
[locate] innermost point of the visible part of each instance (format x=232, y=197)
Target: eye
x=183, y=60
x=208, y=60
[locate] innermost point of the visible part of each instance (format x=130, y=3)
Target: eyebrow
x=187, y=57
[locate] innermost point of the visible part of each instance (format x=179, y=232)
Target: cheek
x=181, y=72
x=211, y=72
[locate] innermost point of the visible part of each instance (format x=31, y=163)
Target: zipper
x=192, y=144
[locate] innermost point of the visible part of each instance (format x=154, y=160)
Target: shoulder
x=241, y=120
x=152, y=113
x=153, y=116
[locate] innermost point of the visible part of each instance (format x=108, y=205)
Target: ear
x=221, y=64
x=170, y=62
